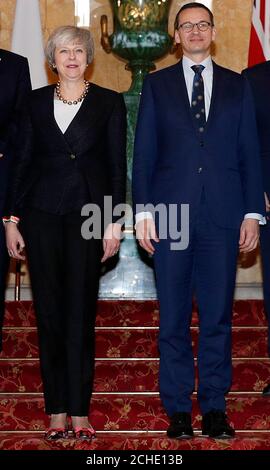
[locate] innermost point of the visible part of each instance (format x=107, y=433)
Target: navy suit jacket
x=259, y=79
x=171, y=161
x=15, y=84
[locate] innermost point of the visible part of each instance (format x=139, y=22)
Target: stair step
x=126, y=408
x=133, y=343
x=133, y=412
x=136, y=313
x=135, y=441
x=21, y=376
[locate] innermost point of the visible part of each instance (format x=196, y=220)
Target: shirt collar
x=187, y=64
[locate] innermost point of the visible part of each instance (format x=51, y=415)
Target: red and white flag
x=259, y=46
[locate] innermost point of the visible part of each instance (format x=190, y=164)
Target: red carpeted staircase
x=126, y=409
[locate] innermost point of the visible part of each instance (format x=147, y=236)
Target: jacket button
x=72, y=156
x=200, y=170
x=201, y=144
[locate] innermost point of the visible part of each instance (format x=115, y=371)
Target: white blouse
x=64, y=113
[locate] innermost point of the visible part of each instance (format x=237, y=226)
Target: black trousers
x=64, y=270
x=4, y=263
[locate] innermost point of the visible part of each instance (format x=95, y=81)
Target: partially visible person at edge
x=71, y=152
x=259, y=79
x=15, y=85
x=196, y=143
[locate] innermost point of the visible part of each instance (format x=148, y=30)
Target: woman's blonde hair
x=65, y=35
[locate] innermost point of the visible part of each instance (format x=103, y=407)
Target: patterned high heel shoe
x=53, y=434
x=84, y=433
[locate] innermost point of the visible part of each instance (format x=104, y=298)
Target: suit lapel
x=217, y=97
x=181, y=99
x=85, y=118
x=48, y=115
x=80, y=124
x=178, y=90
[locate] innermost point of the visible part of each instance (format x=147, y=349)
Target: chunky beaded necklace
x=78, y=100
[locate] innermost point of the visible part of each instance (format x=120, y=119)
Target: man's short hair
x=193, y=5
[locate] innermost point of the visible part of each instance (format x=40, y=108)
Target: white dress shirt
x=207, y=75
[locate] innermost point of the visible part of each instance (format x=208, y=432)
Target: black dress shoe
x=266, y=391
x=215, y=424
x=180, y=426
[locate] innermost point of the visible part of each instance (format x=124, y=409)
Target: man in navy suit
x=14, y=85
x=196, y=144
x=259, y=79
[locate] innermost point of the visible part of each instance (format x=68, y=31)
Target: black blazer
x=93, y=145
x=259, y=78
x=15, y=85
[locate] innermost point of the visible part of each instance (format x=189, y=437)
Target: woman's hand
x=14, y=241
x=111, y=241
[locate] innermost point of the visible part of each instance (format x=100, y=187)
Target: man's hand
x=145, y=232
x=249, y=235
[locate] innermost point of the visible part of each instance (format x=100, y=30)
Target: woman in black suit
x=71, y=152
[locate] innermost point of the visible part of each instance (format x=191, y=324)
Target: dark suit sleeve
x=145, y=148
x=23, y=90
x=22, y=165
x=258, y=79
x=116, y=151
x=24, y=85
x=13, y=116
x=249, y=155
